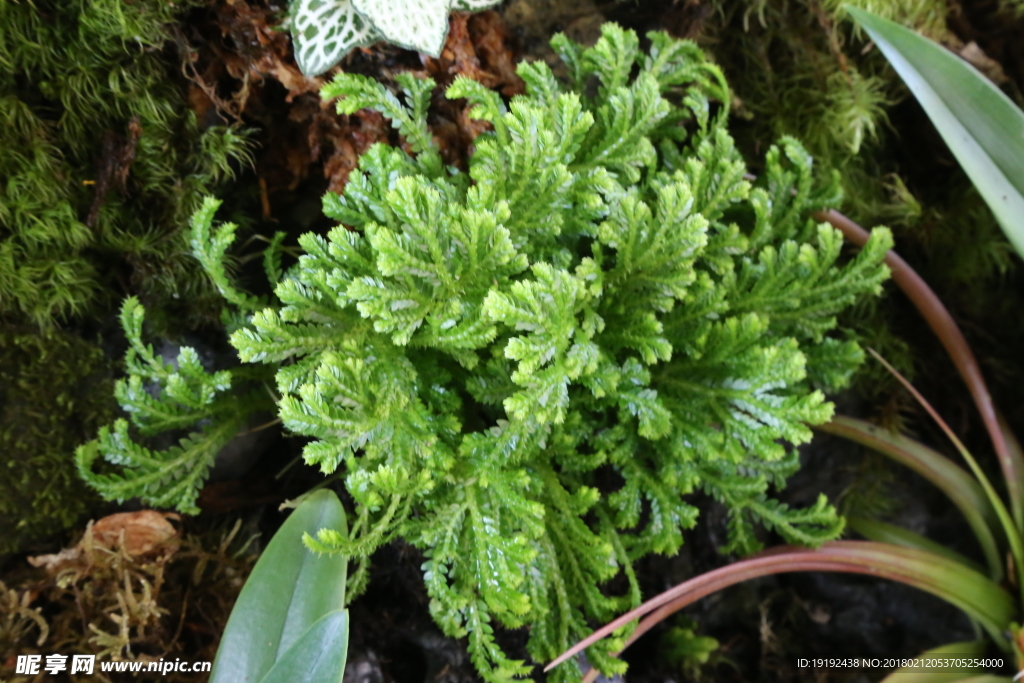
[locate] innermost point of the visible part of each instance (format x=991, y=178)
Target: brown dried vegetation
x=133, y=588
x=241, y=68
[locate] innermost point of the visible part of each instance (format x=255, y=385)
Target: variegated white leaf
x=473, y=5
x=416, y=24
x=323, y=31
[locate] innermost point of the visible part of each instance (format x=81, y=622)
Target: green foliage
x=163, y=398
x=55, y=391
x=928, y=16
x=101, y=157
x=795, y=73
x=531, y=365
x=687, y=652
x=982, y=126
x=101, y=161
x=289, y=622
x=804, y=68
x=524, y=369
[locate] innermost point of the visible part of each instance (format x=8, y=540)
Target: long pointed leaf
x=981, y=125
x=289, y=590
x=950, y=478
x=967, y=650
x=978, y=596
x=1010, y=528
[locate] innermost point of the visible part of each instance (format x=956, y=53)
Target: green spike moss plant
x=101, y=157
x=524, y=369
x=898, y=554
x=803, y=68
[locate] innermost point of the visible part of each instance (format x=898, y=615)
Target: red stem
x=945, y=328
x=853, y=557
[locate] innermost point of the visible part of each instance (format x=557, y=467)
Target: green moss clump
x=802, y=68
x=102, y=157
x=55, y=391
x=102, y=161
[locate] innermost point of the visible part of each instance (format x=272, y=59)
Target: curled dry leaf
x=136, y=533
x=144, y=531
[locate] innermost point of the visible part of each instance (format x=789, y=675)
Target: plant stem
x=946, y=329
x=981, y=598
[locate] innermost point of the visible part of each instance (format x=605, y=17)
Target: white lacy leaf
x=323, y=31
x=415, y=24
x=473, y=5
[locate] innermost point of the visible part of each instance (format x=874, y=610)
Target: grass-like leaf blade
x=981, y=125
x=982, y=599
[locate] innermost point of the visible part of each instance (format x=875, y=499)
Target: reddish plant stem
x=946, y=329
x=881, y=560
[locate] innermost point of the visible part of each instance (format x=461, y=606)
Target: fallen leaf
x=144, y=530
x=288, y=75
x=492, y=42
x=137, y=533
x=349, y=137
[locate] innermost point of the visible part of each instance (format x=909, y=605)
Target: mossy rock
x=55, y=392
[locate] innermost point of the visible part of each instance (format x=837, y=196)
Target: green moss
x=102, y=158
x=801, y=68
x=55, y=391
x=102, y=161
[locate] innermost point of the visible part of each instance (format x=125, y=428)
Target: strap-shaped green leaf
x=282, y=604
x=981, y=125
x=965, y=652
x=953, y=480
x=881, y=532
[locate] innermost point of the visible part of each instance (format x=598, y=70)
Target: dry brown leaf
x=349, y=138
x=144, y=531
x=137, y=533
x=477, y=47
x=490, y=36
x=53, y=563
x=288, y=75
